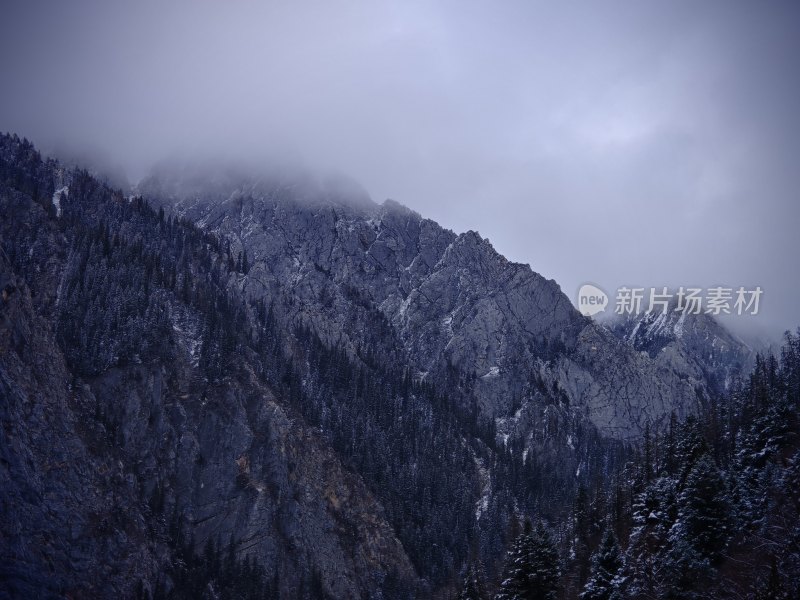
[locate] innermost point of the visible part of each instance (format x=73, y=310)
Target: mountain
x=228, y=385
x=451, y=301
x=697, y=345
x=113, y=438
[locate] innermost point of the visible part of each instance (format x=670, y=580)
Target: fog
x=619, y=143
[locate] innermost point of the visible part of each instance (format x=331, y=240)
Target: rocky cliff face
x=451, y=300
x=65, y=497
x=696, y=345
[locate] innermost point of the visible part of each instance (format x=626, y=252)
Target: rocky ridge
x=451, y=300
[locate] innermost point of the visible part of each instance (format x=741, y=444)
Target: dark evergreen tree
x=519, y=567
x=532, y=569
x=699, y=534
x=654, y=512
x=604, y=582
x=582, y=533
x=474, y=588
x=704, y=510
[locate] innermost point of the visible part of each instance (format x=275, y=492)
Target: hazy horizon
x=624, y=144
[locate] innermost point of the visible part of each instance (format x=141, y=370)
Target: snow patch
x=63, y=191
x=403, y=310
x=485, y=478
x=188, y=329
x=658, y=324
x=492, y=372
x=632, y=336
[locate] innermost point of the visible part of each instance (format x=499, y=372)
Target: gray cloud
x=620, y=143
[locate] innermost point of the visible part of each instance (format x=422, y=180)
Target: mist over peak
x=184, y=179
x=663, y=138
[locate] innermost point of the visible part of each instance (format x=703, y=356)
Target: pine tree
x=518, y=567
x=606, y=568
x=654, y=513
x=473, y=583
x=531, y=571
x=700, y=532
x=703, y=509
x=582, y=530
x=547, y=572
x=691, y=445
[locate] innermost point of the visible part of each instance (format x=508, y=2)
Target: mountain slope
x=451, y=300
x=114, y=437
x=695, y=344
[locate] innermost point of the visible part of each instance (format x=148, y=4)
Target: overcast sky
x=636, y=143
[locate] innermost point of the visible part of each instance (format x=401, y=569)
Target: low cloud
x=619, y=143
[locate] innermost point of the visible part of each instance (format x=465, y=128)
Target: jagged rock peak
x=453, y=302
